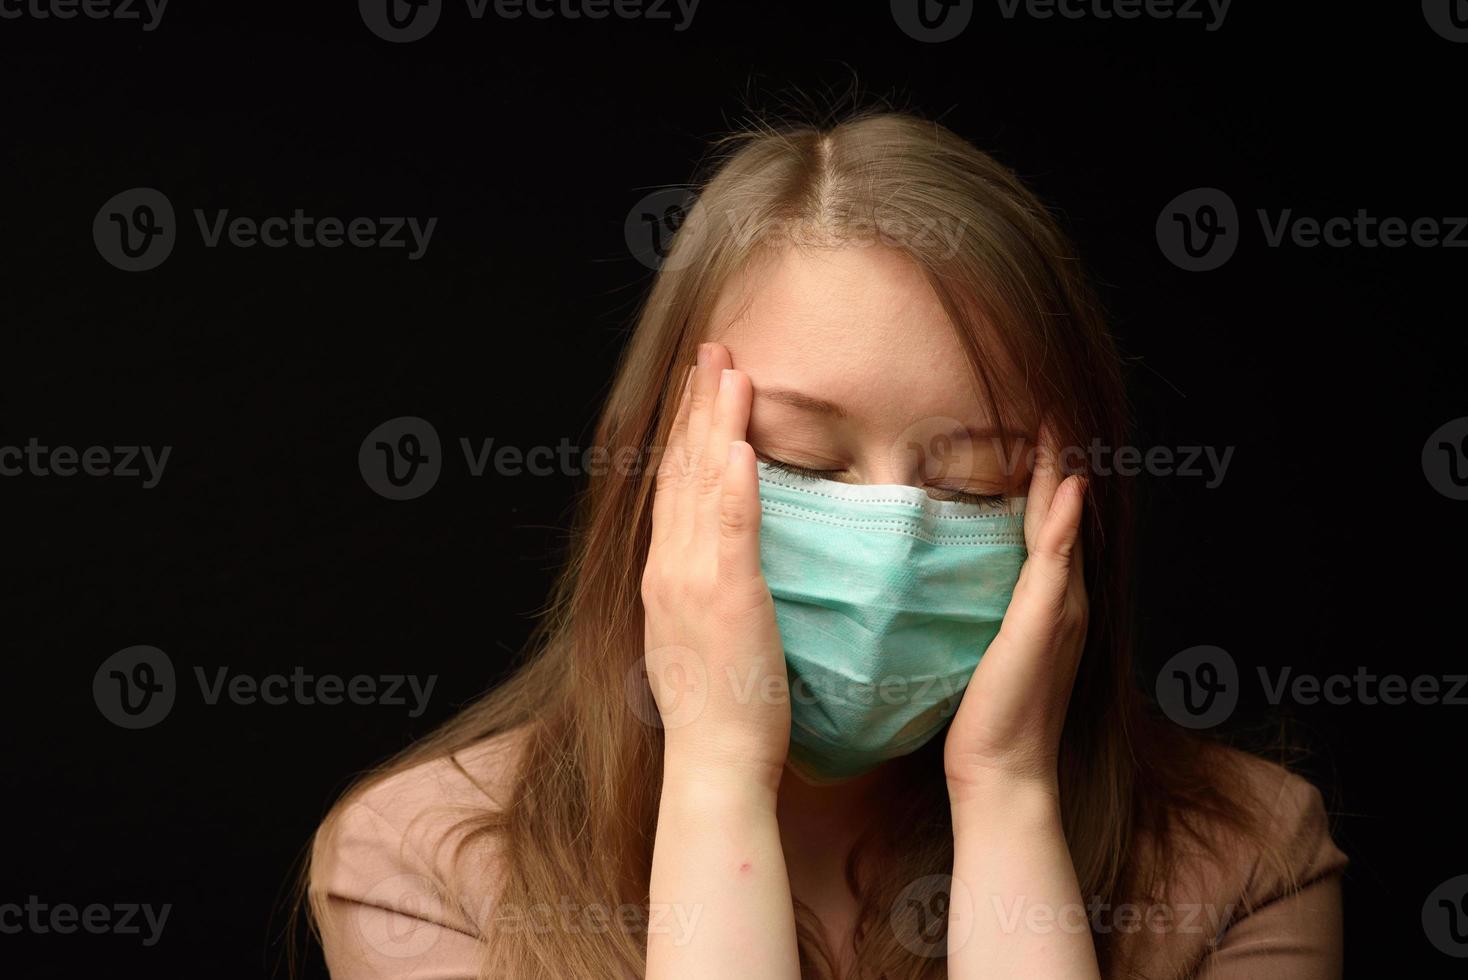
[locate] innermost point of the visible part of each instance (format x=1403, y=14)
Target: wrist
x=713, y=780
x=1003, y=799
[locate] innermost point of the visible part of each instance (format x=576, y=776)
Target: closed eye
x=803, y=472
x=937, y=493
x=967, y=496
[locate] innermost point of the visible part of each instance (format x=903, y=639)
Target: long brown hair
x=580, y=821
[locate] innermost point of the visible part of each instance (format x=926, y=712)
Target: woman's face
x=858, y=375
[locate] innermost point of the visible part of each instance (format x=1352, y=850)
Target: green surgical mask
x=885, y=599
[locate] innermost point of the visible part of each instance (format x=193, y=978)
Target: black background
x=263, y=549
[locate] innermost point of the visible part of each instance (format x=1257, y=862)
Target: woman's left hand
x=1008, y=725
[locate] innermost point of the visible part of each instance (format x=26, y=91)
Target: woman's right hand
x=713, y=655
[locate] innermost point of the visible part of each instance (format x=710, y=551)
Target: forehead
x=859, y=326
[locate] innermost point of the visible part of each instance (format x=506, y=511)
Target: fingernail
x=726, y=378
x=734, y=450
x=704, y=352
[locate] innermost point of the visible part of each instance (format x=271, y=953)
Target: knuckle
x=671, y=468
x=710, y=477
x=660, y=582
x=699, y=399
x=733, y=521
x=686, y=464
x=651, y=585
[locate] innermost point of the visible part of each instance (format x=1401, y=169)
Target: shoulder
x=1254, y=901
x=421, y=803
x=407, y=861
x=1285, y=846
x=1295, y=847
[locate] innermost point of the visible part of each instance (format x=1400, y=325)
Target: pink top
x=385, y=919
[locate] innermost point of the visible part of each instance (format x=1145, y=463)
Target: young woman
x=752, y=741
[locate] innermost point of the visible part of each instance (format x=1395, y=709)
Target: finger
x=1050, y=571
x=739, y=518
x=1077, y=549
x=1059, y=535
x=665, y=495
x=712, y=359
x=730, y=422
x=1044, y=478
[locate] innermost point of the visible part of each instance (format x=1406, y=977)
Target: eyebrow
x=797, y=399
x=810, y=403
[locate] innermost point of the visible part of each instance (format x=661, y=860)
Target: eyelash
x=957, y=496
